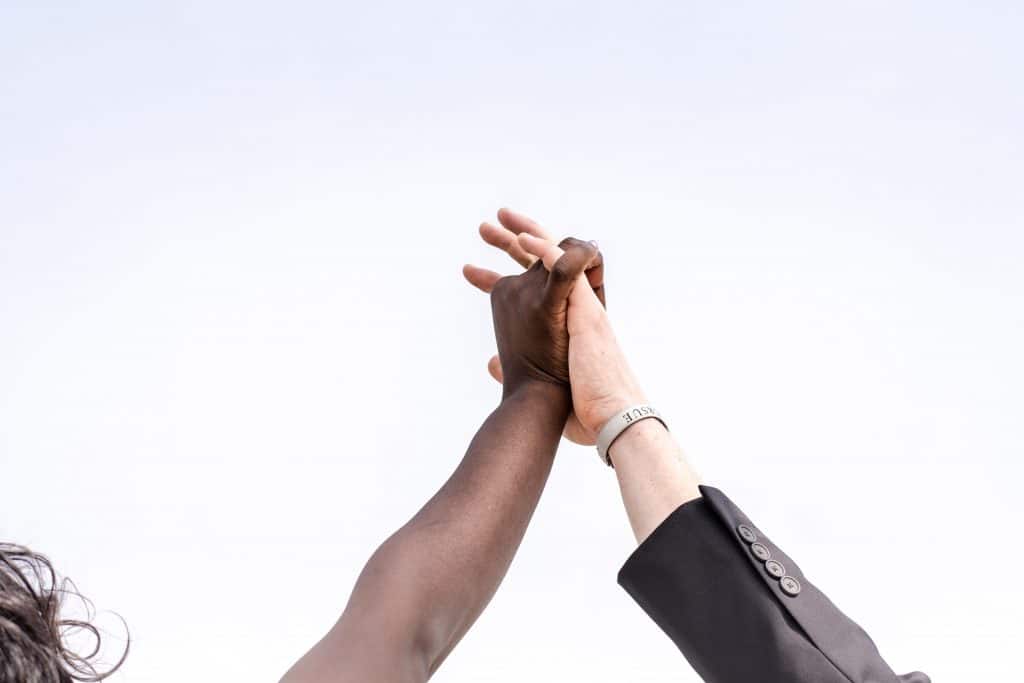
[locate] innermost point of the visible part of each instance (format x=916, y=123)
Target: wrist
x=639, y=437
x=603, y=382
x=555, y=397
x=605, y=409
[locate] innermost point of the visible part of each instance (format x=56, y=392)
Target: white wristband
x=622, y=421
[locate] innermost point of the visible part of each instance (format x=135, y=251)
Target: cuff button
x=746, y=533
x=760, y=552
x=775, y=569
x=789, y=585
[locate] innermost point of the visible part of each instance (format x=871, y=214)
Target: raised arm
x=425, y=585
x=654, y=477
x=736, y=605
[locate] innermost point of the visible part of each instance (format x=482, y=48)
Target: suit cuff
x=704, y=577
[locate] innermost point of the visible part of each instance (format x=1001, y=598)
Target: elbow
x=424, y=621
x=437, y=631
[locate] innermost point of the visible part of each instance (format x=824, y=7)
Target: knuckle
x=574, y=244
x=561, y=270
x=502, y=286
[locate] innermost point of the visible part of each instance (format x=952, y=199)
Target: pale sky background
x=237, y=351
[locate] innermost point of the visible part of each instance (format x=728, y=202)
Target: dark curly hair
x=32, y=631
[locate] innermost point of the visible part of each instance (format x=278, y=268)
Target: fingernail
x=594, y=242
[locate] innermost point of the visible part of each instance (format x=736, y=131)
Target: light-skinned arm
x=654, y=476
x=738, y=607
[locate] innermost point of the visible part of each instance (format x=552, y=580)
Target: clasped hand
x=551, y=325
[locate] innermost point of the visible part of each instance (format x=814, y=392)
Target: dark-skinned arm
x=425, y=585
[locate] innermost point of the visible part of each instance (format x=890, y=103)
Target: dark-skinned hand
x=532, y=350
x=530, y=313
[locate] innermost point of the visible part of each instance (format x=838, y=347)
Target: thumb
x=567, y=271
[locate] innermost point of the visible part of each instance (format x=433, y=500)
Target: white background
x=237, y=351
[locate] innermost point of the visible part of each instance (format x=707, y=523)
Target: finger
x=547, y=252
x=595, y=271
x=505, y=239
x=518, y=223
x=567, y=271
x=494, y=367
x=481, y=278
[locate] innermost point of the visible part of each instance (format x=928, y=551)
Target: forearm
x=425, y=586
x=465, y=537
x=654, y=476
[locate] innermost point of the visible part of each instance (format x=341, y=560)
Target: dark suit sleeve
x=710, y=585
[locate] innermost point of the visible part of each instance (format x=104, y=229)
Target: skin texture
x=425, y=586
x=505, y=237
x=653, y=475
